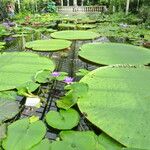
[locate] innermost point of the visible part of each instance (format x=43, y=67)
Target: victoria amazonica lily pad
x=63, y=120
x=18, y=68
x=109, y=143
x=114, y=53
x=118, y=102
x=67, y=26
x=48, y=45
x=75, y=35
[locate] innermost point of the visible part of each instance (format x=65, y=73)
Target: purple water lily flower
x=9, y=39
x=11, y=24
x=8, y=24
x=55, y=74
x=68, y=80
x=5, y=24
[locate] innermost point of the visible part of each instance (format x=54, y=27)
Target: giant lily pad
x=2, y=45
x=114, y=53
x=23, y=135
x=67, y=26
x=85, y=26
x=18, y=68
x=109, y=143
x=118, y=102
x=75, y=35
x=63, y=120
x=48, y=45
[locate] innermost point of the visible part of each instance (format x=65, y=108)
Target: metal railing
x=80, y=9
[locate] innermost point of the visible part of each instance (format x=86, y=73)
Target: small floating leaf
x=62, y=145
x=43, y=145
x=27, y=88
x=76, y=90
x=63, y=120
x=42, y=76
x=2, y=131
x=23, y=135
x=82, y=72
x=8, y=109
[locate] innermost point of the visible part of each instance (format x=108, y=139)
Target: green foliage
x=43, y=145
x=11, y=95
x=48, y=45
x=2, y=132
x=69, y=26
x=76, y=90
x=144, y=13
x=118, y=25
x=42, y=76
x=8, y=103
x=2, y=45
x=114, y=53
x=19, y=68
x=61, y=77
x=3, y=31
x=108, y=142
x=51, y=7
x=63, y=120
x=27, y=88
x=23, y=135
x=75, y=35
x=118, y=103
x=82, y=72
x=81, y=140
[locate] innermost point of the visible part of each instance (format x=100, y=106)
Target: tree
x=18, y=3
x=74, y=2
x=127, y=7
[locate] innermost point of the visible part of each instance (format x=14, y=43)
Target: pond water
x=53, y=91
